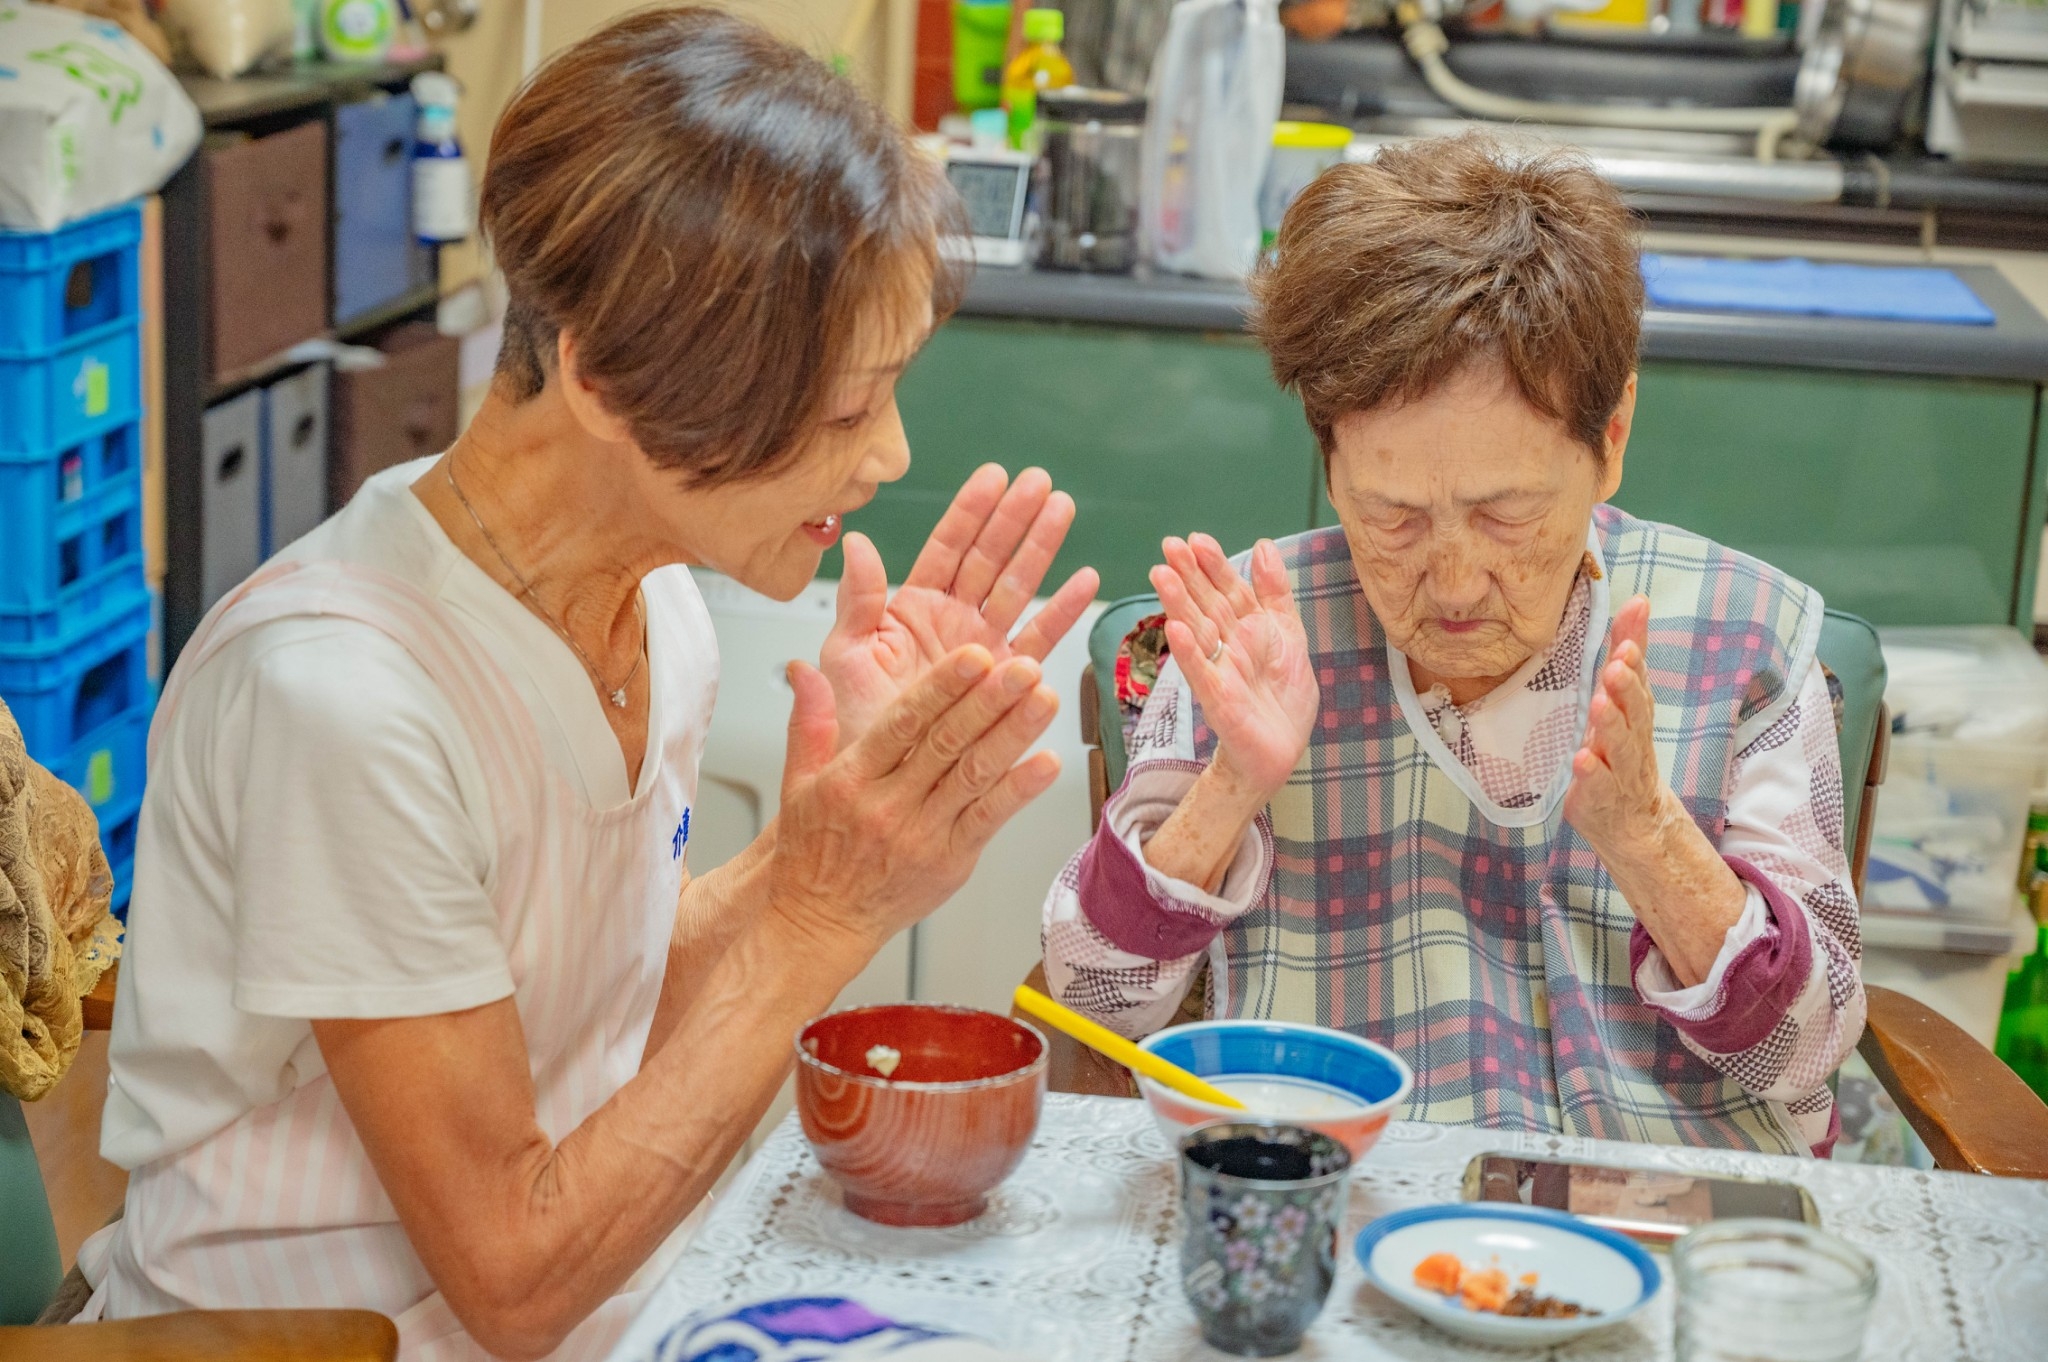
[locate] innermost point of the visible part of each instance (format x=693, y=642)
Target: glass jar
x=1771, y=1291
x=1088, y=179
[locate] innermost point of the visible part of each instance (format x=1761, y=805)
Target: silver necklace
x=617, y=696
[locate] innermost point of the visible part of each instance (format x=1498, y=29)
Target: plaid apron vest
x=1495, y=959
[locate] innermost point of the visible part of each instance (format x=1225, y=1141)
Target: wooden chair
x=1974, y=1113
x=30, y=1272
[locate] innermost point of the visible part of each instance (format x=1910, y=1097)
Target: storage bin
x=1969, y=747
x=294, y=456
x=377, y=259
x=63, y=693
x=230, y=495
x=268, y=244
x=58, y=286
x=404, y=410
x=107, y=766
x=70, y=534
x=78, y=389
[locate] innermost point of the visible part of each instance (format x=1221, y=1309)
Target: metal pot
x=1863, y=72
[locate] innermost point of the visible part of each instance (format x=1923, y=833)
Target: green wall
x=1906, y=500
x=1153, y=432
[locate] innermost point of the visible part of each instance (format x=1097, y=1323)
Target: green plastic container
x=980, y=32
x=2023, y=1022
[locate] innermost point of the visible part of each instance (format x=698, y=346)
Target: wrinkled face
x=770, y=533
x=1466, y=512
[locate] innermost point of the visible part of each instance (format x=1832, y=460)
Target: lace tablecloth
x=1077, y=1258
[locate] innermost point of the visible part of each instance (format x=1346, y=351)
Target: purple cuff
x=1760, y=984
x=1118, y=900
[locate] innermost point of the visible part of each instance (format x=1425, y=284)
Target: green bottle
x=1040, y=66
x=2023, y=1021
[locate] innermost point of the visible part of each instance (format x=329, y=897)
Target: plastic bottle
x=988, y=130
x=981, y=28
x=1040, y=66
x=1212, y=103
x=440, y=172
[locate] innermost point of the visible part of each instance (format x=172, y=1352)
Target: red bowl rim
x=808, y=1060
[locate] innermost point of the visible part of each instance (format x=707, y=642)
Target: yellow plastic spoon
x=1107, y=1042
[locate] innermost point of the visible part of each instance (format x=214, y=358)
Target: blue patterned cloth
x=812, y=1329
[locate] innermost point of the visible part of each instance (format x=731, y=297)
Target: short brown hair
x=1390, y=276
x=711, y=214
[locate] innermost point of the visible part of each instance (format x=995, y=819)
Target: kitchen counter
x=2015, y=348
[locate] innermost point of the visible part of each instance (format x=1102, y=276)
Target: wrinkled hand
x=977, y=573
x=1618, y=798
x=871, y=839
x=1259, y=695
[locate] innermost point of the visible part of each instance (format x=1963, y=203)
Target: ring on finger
x=1216, y=653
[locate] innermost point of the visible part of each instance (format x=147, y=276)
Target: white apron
x=282, y=1207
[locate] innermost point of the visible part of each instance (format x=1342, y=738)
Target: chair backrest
x=1101, y=721
x=29, y=1264
x=1848, y=648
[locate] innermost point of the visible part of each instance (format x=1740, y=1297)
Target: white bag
x=88, y=118
x=1213, y=99
x=226, y=38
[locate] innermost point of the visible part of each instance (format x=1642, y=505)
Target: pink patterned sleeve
x=1121, y=940
x=1783, y=1004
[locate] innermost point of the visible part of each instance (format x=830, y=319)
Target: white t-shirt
x=317, y=840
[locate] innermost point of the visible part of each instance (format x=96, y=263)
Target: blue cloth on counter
x=1896, y=293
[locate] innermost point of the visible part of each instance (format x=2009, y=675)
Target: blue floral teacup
x=1261, y=1206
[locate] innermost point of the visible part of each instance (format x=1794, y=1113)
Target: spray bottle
x=440, y=172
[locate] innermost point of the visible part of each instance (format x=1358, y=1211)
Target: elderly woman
x=423, y=1010
x=1542, y=796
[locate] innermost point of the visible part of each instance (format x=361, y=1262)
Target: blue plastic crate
x=88, y=384
x=70, y=534
x=63, y=693
x=80, y=279
x=107, y=765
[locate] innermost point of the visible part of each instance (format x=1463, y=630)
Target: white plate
x=1597, y=1268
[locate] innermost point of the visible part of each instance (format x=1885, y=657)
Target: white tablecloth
x=1077, y=1258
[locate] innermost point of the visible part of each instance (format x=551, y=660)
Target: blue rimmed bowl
x=1358, y=1085
x=1574, y=1261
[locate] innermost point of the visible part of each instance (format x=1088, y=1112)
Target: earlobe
x=1616, y=440
x=582, y=399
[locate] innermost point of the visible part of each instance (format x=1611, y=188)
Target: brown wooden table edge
x=211, y=1336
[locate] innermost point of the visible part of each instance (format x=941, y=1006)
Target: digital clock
x=994, y=185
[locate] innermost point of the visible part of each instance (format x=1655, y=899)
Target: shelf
x=223, y=103
x=376, y=319
x=249, y=375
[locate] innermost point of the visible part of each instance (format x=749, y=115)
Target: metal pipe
x=1818, y=181
x=1427, y=44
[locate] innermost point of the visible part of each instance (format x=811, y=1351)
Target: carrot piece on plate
x=1439, y=1272
x=1486, y=1289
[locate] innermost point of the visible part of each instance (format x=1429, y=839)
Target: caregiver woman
x=423, y=1011
x=1544, y=797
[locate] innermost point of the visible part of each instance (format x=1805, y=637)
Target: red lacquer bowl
x=925, y=1145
